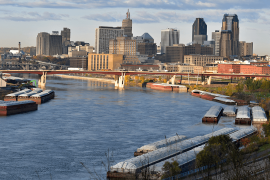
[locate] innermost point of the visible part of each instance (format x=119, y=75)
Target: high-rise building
x=65, y=33
x=225, y=48
x=103, y=35
x=49, y=44
x=199, y=31
x=122, y=45
x=216, y=37
x=230, y=22
x=127, y=25
x=245, y=49
x=169, y=37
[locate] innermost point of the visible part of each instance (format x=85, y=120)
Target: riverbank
x=85, y=78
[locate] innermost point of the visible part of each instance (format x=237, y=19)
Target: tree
x=170, y=169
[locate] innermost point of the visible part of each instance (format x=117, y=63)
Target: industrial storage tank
x=213, y=114
x=229, y=111
x=258, y=115
x=159, y=144
x=243, y=115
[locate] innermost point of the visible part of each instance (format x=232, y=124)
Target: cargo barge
x=26, y=96
x=14, y=96
x=224, y=101
x=207, y=95
x=16, y=107
x=243, y=116
x=135, y=165
x=169, y=87
x=258, y=115
x=159, y=144
x=213, y=114
x=42, y=97
x=229, y=111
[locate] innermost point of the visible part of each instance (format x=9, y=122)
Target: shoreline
x=85, y=78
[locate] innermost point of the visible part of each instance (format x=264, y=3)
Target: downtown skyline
x=23, y=20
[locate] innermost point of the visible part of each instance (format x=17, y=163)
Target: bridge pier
x=209, y=80
x=172, y=80
x=42, y=80
x=120, y=81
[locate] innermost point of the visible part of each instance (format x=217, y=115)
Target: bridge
x=120, y=75
x=31, y=66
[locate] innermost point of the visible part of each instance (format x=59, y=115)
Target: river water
x=87, y=118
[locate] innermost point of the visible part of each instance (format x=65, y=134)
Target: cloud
x=211, y=15
x=153, y=4
x=34, y=16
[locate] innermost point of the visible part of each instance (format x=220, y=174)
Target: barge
x=186, y=160
x=25, y=96
x=213, y=114
x=258, y=115
x=159, y=144
x=136, y=164
x=169, y=87
x=224, y=100
x=14, y=96
x=16, y=107
x=42, y=97
x=229, y=111
x=243, y=116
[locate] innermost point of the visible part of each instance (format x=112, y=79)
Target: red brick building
x=243, y=68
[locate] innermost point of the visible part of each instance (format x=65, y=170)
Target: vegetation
x=53, y=60
x=170, y=169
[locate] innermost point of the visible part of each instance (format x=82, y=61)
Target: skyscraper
x=169, y=37
x=65, y=33
x=230, y=22
x=127, y=25
x=199, y=31
x=216, y=37
x=103, y=36
x=49, y=44
x=225, y=44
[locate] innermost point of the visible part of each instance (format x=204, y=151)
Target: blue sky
x=22, y=20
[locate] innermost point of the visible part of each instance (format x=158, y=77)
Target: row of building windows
x=97, y=62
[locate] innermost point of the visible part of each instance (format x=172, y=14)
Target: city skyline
x=23, y=20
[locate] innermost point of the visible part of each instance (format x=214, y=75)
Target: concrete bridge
x=120, y=75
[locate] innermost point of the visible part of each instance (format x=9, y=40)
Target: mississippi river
x=86, y=119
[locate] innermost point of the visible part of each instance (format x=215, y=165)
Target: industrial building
x=243, y=69
x=104, y=61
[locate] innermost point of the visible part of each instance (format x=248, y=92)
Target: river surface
x=87, y=118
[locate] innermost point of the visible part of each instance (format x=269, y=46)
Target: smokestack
x=19, y=47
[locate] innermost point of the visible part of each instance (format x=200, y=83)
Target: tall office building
x=103, y=35
x=245, y=49
x=230, y=22
x=225, y=48
x=199, y=31
x=49, y=44
x=127, y=25
x=216, y=37
x=122, y=45
x=169, y=37
x=65, y=33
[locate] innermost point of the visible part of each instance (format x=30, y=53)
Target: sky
x=22, y=20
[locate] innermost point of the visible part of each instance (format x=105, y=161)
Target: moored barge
x=258, y=115
x=25, y=96
x=42, y=97
x=169, y=87
x=159, y=144
x=224, y=100
x=14, y=96
x=213, y=114
x=16, y=107
x=229, y=111
x=243, y=116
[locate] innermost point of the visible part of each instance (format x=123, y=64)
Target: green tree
x=170, y=169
